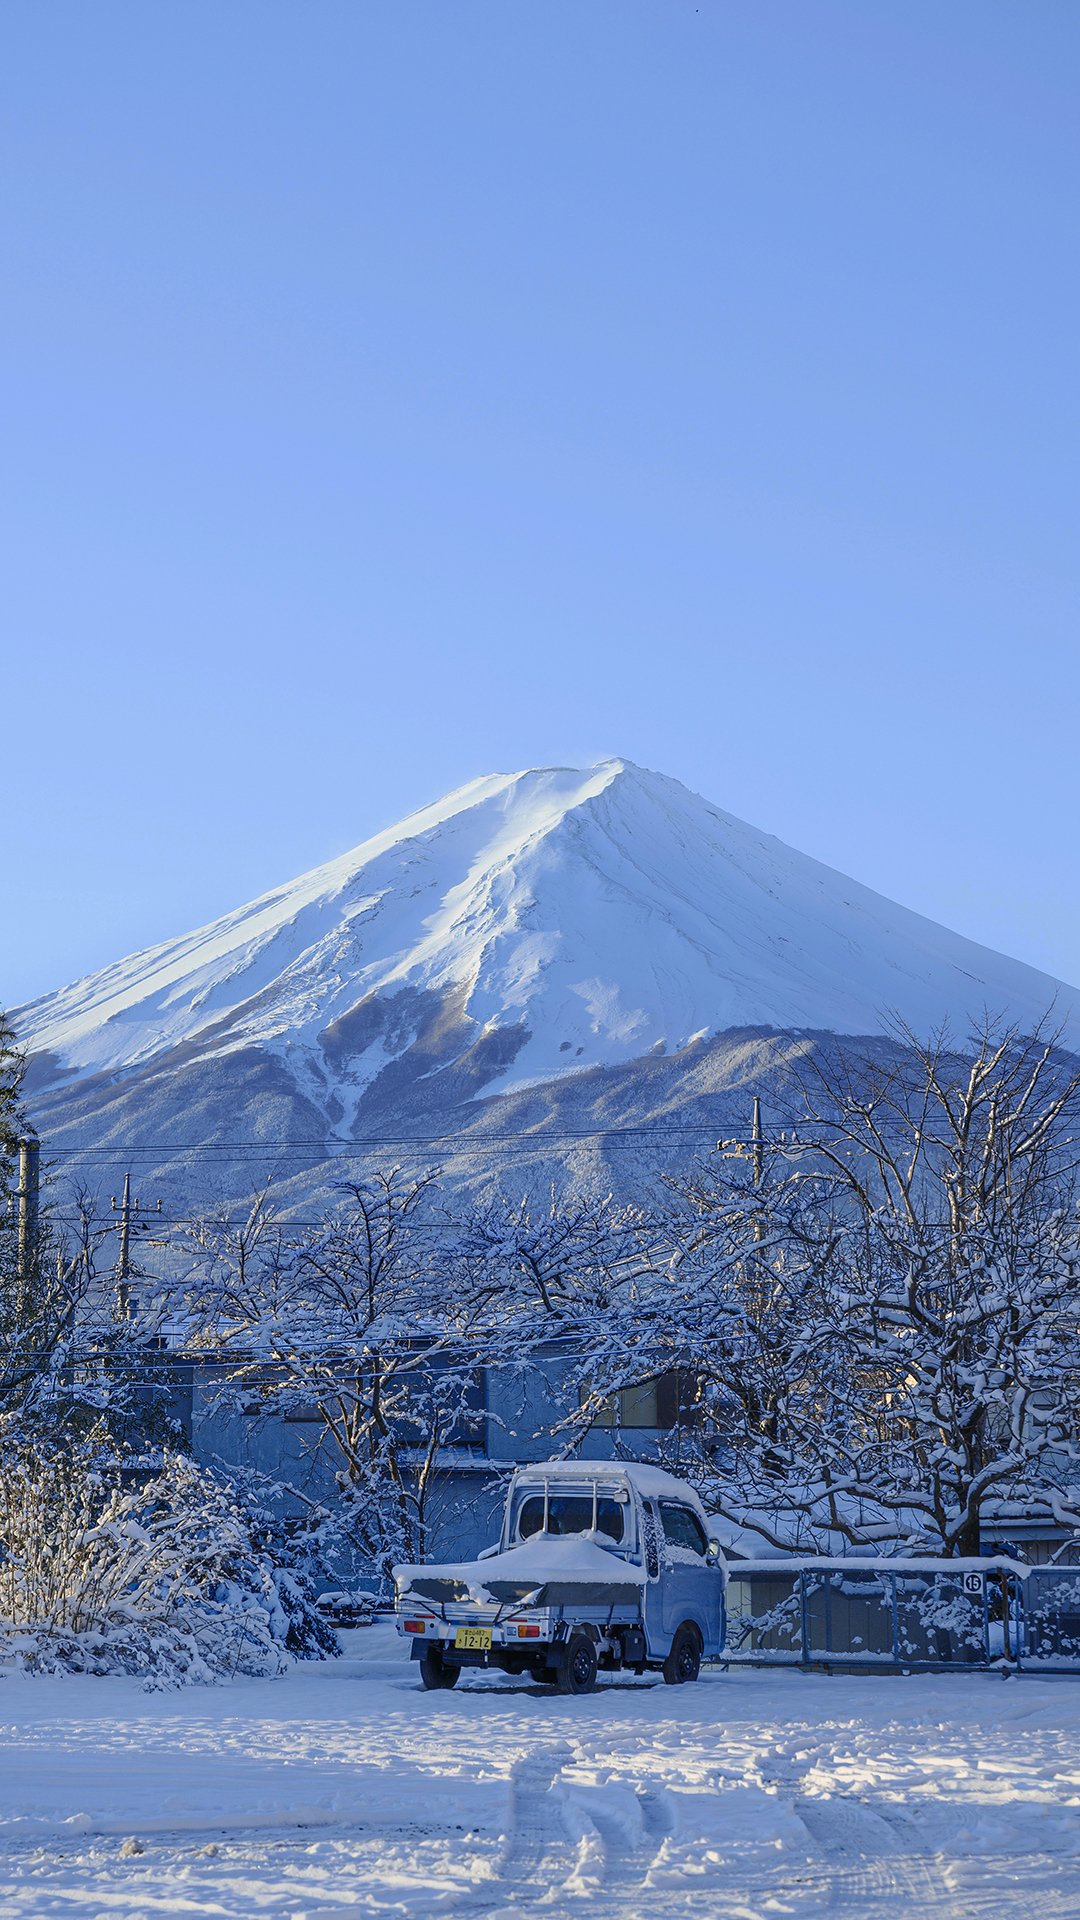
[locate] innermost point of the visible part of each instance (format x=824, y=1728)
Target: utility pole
x=757, y=1138
x=757, y=1162
x=126, y=1209
x=29, y=1201
x=123, y=1296
x=757, y=1144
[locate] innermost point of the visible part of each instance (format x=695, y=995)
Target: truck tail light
x=529, y=1631
x=415, y=1626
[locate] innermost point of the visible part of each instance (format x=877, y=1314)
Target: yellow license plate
x=473, y=1639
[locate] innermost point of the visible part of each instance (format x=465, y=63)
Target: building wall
x=517, y=1419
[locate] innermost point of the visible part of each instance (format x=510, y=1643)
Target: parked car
x=601, y=1565
x=347, y=1609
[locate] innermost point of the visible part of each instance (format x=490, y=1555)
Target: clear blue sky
x=398, y=390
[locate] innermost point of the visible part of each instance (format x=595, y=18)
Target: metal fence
x=904, y=1615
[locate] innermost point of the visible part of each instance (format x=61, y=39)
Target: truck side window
x=530, y=1517
x=683, y=1528
x=651, y=1540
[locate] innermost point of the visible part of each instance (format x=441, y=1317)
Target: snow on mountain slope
x=583, y=918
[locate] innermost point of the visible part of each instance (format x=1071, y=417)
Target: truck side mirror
x=713, y=1553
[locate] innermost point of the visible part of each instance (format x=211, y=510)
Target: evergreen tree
x=41, y=1281
x=11, y=1115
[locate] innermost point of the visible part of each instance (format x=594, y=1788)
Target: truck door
x=691, y=1585
x=657, y=1642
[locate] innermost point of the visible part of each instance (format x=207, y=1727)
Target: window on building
x=661, y=1403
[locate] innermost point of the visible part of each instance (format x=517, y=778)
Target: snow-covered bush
x=172, y=1577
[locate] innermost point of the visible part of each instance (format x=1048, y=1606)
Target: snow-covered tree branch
x=879, y=1310
x=363, y=1326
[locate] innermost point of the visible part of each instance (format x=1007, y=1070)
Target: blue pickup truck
x=601, y=1565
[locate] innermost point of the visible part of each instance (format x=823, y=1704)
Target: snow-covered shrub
x=171, y=1578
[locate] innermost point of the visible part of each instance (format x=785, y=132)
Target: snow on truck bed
x=345, y=1789
x=545, y=1565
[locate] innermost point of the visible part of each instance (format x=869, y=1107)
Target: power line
x=283, y=1223
x=459, y=1143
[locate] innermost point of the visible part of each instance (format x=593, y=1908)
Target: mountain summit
x=529, y=926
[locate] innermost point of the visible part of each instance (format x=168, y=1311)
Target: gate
x=903, y=1615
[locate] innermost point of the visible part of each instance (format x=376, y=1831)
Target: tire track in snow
x=619, y=1868
x=537, y=1834
x=869, y=1866
x=872, y=1863
x=537, y=1852
x=563, y=1854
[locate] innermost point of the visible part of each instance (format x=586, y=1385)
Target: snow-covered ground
x=344, y=1789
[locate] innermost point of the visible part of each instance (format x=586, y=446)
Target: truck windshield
x=571, y=1513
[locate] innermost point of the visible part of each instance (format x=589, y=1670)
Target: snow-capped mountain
x=523, y=931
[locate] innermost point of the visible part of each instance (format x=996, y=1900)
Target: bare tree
x=45, y=1289
x=68, y=1358
x=887, y=1353
x=548, y=1271
x=359, y=1326
x=567, y=1291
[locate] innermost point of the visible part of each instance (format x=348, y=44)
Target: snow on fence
x=908, y=1614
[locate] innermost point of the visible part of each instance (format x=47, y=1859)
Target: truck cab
x=600, y=1566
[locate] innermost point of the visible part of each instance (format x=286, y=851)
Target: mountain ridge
x=526, y=932
x=652, y=854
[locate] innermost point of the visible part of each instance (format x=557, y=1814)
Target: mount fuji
x=555, y=949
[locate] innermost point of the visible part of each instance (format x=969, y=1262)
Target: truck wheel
x=577, y=1674
x=684, y=1660
x=437, y=1672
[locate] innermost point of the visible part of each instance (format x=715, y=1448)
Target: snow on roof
x=744, y=1542
x=792, y=1564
